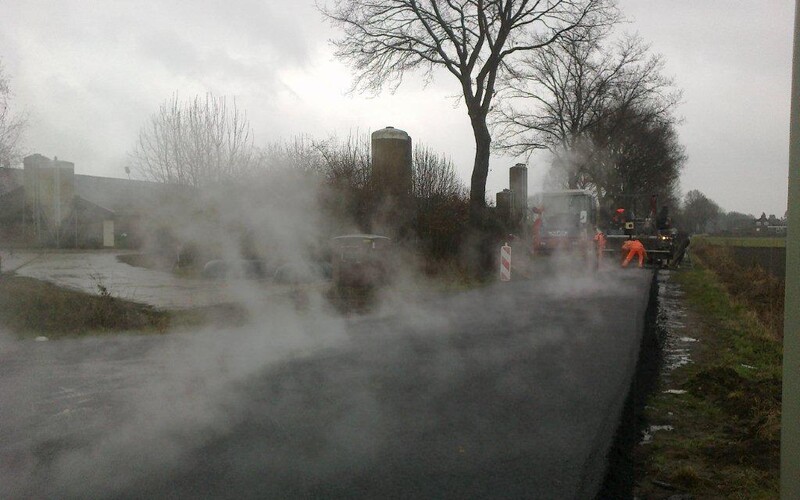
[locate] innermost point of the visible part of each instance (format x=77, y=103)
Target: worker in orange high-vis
x=634, y=248
x=537, y=228
x=599, y=245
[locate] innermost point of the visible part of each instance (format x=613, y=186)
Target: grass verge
x=726, y=437
x=752, y=286
x=742, y=241
x=30, y=308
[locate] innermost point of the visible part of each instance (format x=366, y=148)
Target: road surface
x=510, y=391
x=85, y=270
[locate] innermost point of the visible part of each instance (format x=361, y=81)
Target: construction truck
x=654, y=230
x=567, y=220
x=563, y=220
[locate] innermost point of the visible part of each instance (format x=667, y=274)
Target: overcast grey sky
x=89, y=73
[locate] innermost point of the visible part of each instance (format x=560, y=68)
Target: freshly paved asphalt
x=511, y=391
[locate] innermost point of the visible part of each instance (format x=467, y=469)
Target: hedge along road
x=514, y=390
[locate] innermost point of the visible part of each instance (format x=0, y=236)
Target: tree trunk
x=480, y=170
x=479, y=241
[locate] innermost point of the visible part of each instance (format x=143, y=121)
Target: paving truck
x=654, y=229
x=567, y=220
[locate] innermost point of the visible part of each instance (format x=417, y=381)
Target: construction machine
x=563, y=220
x=654, y=231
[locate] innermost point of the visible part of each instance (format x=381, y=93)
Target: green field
x=742, y=241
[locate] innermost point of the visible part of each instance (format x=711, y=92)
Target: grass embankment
x=726, y=437
x=741, y=241
x=31, y=308
x=751, y=286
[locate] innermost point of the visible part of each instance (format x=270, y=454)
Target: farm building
x=46, y=204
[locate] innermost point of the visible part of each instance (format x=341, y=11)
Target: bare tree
x=301, y=153
x=197, y=142
x=561, y=94
x=434, y=175
x=347, y=162
x=11, y=125
x=735, y=222
x=605, y=112
x=634, y=157
x=699, y=211
x=476, y=41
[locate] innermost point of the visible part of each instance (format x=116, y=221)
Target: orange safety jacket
x=633, y=246
x=600, y=240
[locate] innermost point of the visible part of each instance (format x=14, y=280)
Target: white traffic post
x=505, y=263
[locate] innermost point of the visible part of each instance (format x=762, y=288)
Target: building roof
x=117, y=195
x=124, y=195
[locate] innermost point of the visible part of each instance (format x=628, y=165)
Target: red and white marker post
x=505, y=263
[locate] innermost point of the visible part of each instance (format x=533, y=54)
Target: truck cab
x=563, y=220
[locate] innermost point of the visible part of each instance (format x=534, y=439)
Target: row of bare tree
x=700, y=214
x=207, y=143
x=207, y=140
x=12, y=125
x=534, y=74
x=545, y=74
x=602, y=107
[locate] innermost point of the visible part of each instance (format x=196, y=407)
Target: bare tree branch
x=12, y=125
x=197, y=142
x=476, y=41
x=604, y=110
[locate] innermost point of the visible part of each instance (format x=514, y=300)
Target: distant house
x=770, y=225
x=762, y=222
x=46, y=204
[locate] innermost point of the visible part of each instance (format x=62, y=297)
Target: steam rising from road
x=298, y=395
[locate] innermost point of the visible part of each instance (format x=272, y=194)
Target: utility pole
x=790, y=411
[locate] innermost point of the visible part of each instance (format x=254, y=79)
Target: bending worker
x=634, y=247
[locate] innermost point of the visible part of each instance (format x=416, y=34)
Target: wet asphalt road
x=512, y=391
x=85, y=270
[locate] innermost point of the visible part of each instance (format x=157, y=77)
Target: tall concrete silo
x=391, y=163
x=392, y=179
x=49, y=191
x=505, y=200
x=518, y=182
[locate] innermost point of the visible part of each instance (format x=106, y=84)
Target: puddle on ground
x=675, y=341
x=647, y=435
x=671, y=324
